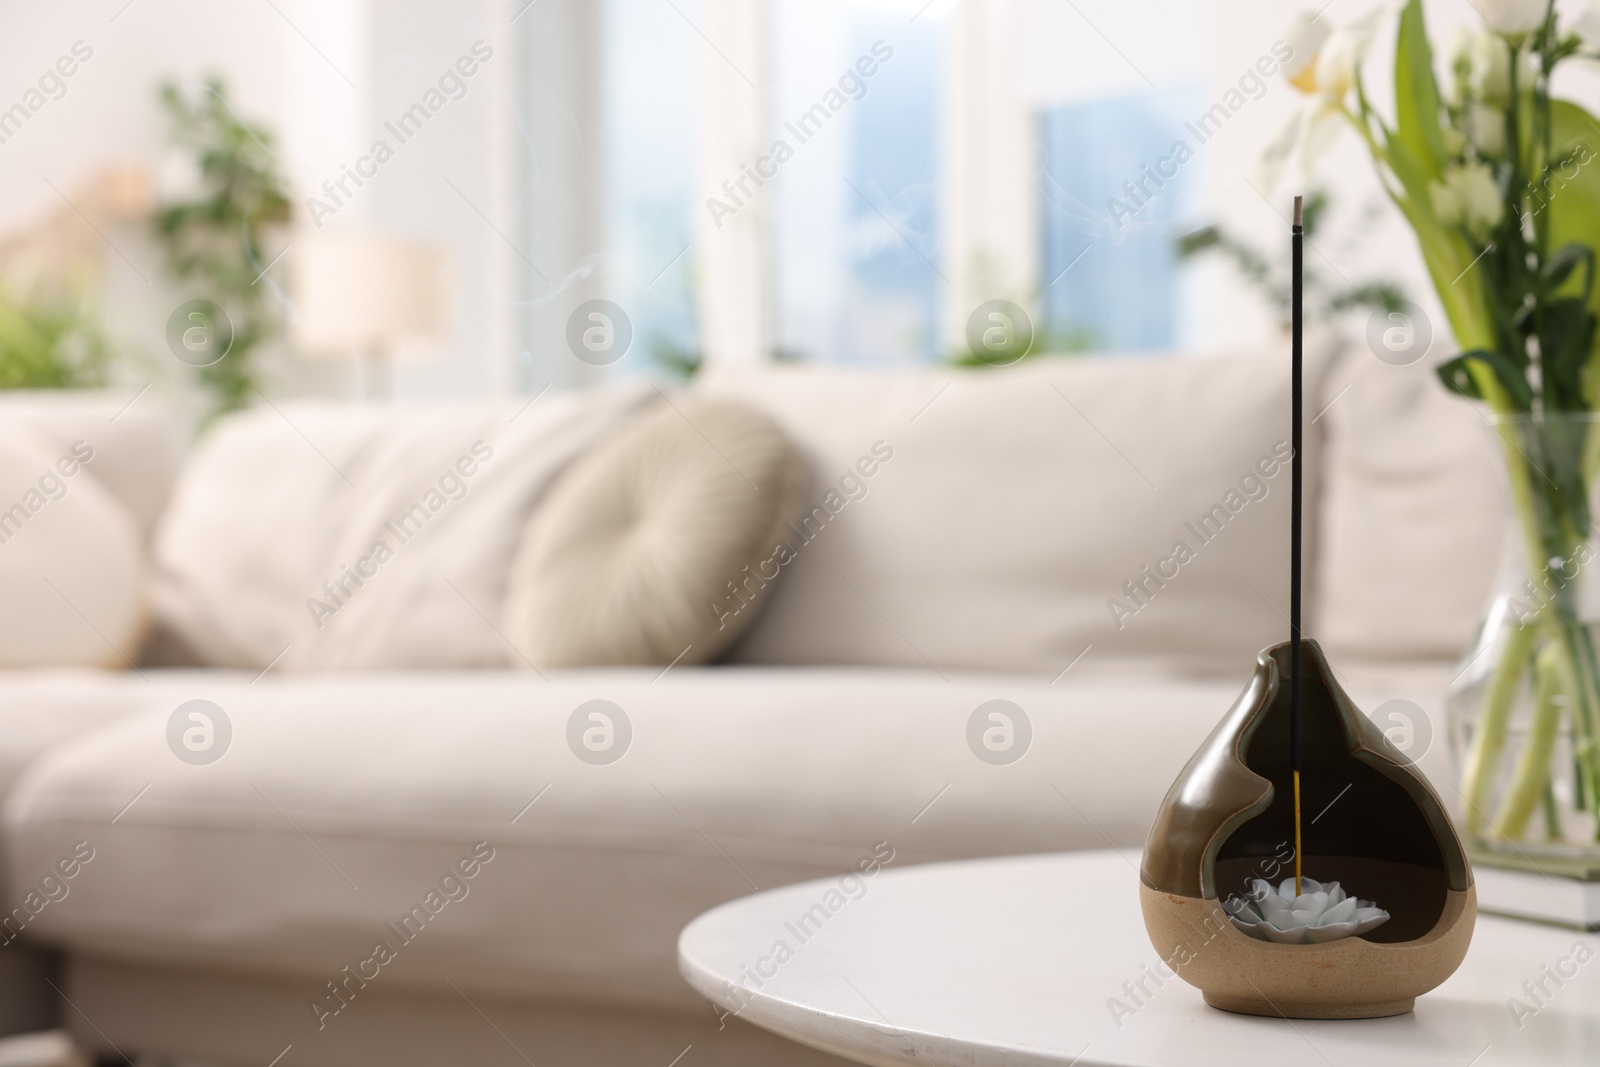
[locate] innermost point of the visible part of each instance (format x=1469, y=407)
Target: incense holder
x=1370, y=822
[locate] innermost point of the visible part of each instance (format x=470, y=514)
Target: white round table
x=1044, y=960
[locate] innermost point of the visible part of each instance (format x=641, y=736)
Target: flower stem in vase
x=1490, y=737
x=1553, y=681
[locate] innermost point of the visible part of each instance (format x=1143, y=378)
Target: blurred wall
x=326, y=75
x=510, y=176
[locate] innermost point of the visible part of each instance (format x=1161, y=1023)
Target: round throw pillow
x=70, y=559
x=660, y=545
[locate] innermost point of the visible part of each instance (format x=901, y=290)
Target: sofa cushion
x=622, y=557
x=324, y=535
x=1134, y=507
x=71, y=566
x=44, y=707
x=137, y=444
x=345, y=800
x=1413, y=514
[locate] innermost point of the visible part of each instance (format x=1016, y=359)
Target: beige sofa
x=406, y=782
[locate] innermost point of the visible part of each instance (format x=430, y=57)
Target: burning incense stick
x=1296, y=418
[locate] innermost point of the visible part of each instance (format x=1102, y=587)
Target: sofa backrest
x=1414, y=514
x=1063, y=512
x=1015, y=518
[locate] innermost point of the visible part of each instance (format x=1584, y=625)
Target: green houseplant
x=215, y=234
x=50, y=342
x=1497, y=177
x=1326, y=298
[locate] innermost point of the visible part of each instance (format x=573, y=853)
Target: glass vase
x=1524, y=711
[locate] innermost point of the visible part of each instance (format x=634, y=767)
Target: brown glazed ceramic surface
x=1380, y=831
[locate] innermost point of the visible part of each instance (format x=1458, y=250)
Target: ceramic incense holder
x=1229, y=818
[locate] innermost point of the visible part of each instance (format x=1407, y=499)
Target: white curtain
x=988, y=199
x=734, y=282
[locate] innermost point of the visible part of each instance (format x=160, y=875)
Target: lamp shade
x=372, y=294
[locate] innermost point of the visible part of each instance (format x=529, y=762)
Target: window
x=914, y=157
x=1097, y=158
x=855, y=241
x=649, y=102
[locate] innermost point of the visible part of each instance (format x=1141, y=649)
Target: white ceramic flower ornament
x=1322, y=912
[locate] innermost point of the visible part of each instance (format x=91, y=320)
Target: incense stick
x=1297, y=416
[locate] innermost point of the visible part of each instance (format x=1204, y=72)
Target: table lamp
x=375, y=298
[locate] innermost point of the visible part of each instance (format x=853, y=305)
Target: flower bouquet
x=1500, y=181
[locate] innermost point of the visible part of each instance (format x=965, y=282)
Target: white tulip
x=1307, y=136
x=1446, y=204
x=1324, y=66
x=1469, y=197
x=1482, y=206
x=1269, y=169
x=1487, y=128
x=1305, y=38
x=1336, y=66
x=1490, y=77
x=1491, y=68
x=1343, y=53
x=1513, y=17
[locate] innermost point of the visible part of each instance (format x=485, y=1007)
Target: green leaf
x=1316, y=206
x=1417, y=93
x=218, y=240
x=1571, y=197
x=1560, y=266
x=1198, y=241
x=1449, y=260
x=1568, y=327
x=1571, y=192
x=1458, y=376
